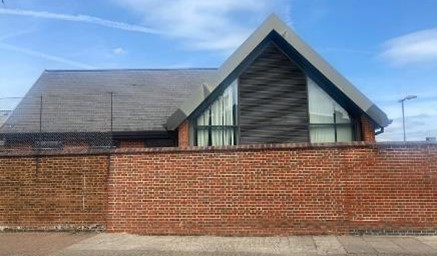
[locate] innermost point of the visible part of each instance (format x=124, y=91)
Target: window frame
x=352, y=123
x=335, y=125
x=209, y=128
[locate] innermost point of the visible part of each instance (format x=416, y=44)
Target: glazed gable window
x=218, y=124
x=329, y=122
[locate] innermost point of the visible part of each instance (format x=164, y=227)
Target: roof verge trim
x=273, y=23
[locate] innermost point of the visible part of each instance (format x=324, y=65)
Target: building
x=273, y=89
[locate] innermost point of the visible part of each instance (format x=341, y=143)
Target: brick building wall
x=367, y=129
x=184, y=134
x=131, y=144
x=240, y=190
x=53, y=192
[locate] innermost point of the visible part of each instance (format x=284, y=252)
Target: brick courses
x=231, y=190
x=184, y=134
x=367, y=129
x=53, y=192
x=131, y=144
x=270, y=190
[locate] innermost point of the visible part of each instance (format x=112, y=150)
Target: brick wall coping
x=250, y=147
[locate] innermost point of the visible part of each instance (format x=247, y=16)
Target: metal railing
x=58, y=121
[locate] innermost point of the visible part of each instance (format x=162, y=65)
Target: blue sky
x=388, y=49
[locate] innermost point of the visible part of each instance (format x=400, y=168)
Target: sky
x=387, y=49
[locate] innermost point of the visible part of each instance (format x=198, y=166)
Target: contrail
x=15, y=34
x=81, y=18
x=45, y=56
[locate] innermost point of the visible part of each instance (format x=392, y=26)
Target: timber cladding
x=235, y=190
x=273, y=75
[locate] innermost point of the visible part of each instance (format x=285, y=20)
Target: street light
x=409, y=97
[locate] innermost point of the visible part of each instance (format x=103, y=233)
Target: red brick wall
x=243, y=190
x=184, y=134
x=367, y=129
x=391, y=188
x=131, y=144
x=51, y=194
x=270, y=190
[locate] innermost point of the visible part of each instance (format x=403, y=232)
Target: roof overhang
x=313, y=60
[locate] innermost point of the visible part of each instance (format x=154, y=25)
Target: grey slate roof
x=4, y=114
x=80, y=101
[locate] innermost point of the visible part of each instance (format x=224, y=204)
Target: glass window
x=329, y=122
x=218, y=124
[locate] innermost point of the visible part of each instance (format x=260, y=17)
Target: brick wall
x=240, y=190
x=367, y=129
x=270, y=190
x=53, y=192
x=184, y=134
x=131, y=143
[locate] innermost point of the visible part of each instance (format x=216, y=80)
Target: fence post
x=38, y=144
x=40, y=119
x=112, y=120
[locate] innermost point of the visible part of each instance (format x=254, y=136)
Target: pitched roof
x=80, y=100
x=4, y=114
x=274, y=24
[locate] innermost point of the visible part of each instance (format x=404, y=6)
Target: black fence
x=58, y=121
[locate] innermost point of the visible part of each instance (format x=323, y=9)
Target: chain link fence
x=57, y=121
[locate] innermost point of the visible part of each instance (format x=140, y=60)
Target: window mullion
x=209, y=127
x=335, y=126
x=219, y=127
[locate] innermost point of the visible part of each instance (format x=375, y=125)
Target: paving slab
x=413, y=246
x=328, y=245
x=431, y=241
x=356, y=245
x=158, y=253
x=109, y=242
x=264, y=245
x=184, y=244
x=385, y=246
x=38, y=243
x=299, y=245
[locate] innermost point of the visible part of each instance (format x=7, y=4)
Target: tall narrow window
x=329, y=122
x=218, y=124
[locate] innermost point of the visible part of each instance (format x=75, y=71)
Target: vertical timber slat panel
x=273, y=100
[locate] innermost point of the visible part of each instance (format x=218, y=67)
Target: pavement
x=38, y=244
x=84, y=244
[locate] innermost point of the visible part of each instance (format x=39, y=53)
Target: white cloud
x=417, y=47
x=118, y=51
x=417, y=128
x=80, y=18
x=45, y=56
x=207, y=25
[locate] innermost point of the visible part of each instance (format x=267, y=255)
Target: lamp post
x=409, y=97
